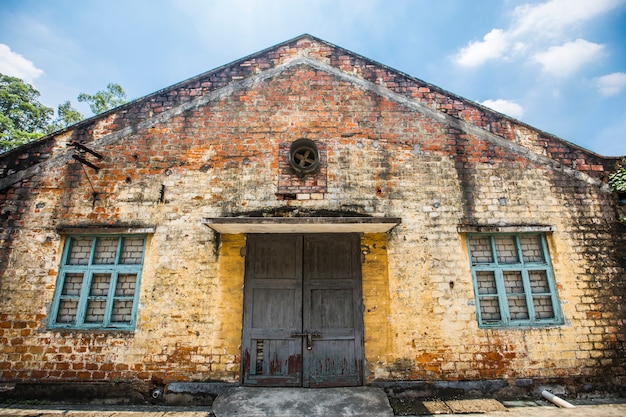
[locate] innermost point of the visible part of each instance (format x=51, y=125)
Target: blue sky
x=558, y=65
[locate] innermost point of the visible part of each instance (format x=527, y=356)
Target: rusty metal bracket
x=309, y=338
x=83, y=148
x=80, y=152
x=162, y=194
x=86, y=162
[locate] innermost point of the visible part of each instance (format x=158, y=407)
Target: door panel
x=332, y=309
x=276, y=257
x=330, y=257
x=274, y=308
x=303, y=323
x=273, y=311
x=332, y=363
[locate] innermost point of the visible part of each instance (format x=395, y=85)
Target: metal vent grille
x=304, y=156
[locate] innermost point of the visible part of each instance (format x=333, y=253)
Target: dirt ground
x=420, y=407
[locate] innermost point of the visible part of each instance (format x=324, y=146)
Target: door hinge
x=243, y=251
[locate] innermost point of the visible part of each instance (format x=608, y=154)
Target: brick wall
x=194, y=151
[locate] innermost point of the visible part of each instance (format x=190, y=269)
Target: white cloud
x=537, y=27
x=556, y=16
x=611, y=84
x=566, y=59
x=505, y=106
x=15, y=65
x=493, y=45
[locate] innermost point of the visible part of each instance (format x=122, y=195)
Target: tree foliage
x=104, y=100
x=22, y=117
x=66, y=116
x=617, y=182
x=617, y=179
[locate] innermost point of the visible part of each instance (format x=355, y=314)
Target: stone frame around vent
x=293, y=186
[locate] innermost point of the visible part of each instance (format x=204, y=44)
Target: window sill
x=521, y=326
x=505, y=229
x=92, y=330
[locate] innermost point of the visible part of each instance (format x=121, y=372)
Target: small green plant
x=617, y=179
x=617, y=182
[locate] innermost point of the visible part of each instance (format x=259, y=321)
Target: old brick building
x=305, y=216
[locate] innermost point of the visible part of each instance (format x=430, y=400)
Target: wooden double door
x=303, y=314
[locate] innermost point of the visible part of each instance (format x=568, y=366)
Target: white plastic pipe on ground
x=556, y=400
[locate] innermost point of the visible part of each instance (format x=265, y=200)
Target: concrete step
x=292, y=402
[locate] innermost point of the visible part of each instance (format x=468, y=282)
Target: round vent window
x=304, y=156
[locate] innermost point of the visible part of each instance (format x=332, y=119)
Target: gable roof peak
x=310, y=50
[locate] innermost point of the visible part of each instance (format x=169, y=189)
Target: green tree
x=104, y=100
x=22, y=117
x=66, y=116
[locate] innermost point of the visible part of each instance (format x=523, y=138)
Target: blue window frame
x=513, y=280
x=98, y=282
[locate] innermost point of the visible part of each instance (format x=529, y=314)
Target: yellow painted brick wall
x=378, y=343
x=229, y=300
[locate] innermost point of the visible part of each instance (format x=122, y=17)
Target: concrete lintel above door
x=302, y=224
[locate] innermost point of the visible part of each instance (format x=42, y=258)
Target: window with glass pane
x=513, y=281
x=98, y=282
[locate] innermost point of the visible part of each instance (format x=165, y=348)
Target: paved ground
x=295, y=402
x=599, y=408
x=540, y=408
x=102, y=411
x=603, y=410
